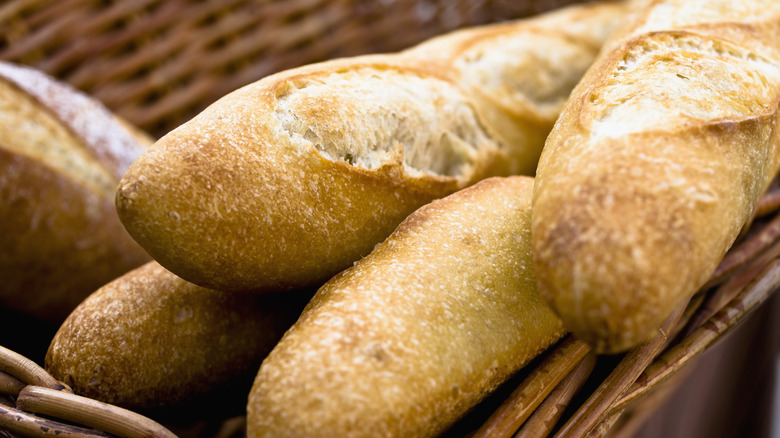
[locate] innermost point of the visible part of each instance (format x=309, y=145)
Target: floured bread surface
x=412, y=336
x=112, y=144
x=149, y=339
x=35, y=132
x=61, y=156
x=655, y=165
x=706, y=15
x=485, y=65
x=676, y=79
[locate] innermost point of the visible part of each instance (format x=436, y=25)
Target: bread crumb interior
x=368, y=117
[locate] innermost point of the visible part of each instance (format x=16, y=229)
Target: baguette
x=415, y=334
x=287, y=181
x=149, y=339
x=655, y=165
x=61, y=156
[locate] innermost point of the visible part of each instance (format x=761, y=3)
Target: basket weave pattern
x=157, y=63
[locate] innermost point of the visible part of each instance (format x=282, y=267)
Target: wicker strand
x=27, y=371
x=630, y=367
x=10, y=385
x=746, y=251
x=30, y=425
x=770, y=200
x=604, y=426
x=145, y=59
x=89, y=412
x=705, y=336
x=508, y=418
x=545, y=417
x=769, y=203
x=741, y=265
x=728, y=291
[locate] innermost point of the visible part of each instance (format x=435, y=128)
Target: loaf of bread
x=287, y=181
x=415, y=334
x=656, y=163
x=150, y=339
x=61, y=156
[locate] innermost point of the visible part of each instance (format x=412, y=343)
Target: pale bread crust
x=61, y=157
x=655, y=165
x=150, y=339
x=520, y=73
x=415, y=334
x=287, y=181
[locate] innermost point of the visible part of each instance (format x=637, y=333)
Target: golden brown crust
x=111, y=143
x=655, y=165
x=521, y=95
x=150, y=339
x=549, y=55
x=61, y=155
x=285, y=182
x=60, y=240
x=415, y=334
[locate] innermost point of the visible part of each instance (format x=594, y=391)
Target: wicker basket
x=157, y=63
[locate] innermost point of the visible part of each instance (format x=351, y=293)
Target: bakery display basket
x=157, y=63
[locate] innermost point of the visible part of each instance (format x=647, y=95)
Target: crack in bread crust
x=669, y=80
x=424, y=121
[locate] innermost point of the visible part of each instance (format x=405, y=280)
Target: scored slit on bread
x=420, y=119
x=677, y=74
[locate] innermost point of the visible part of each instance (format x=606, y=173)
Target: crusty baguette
x=285, y=182
x=150, y=339
x=61, y=156
x=415, y=334
x=656, y=163
x=521, y=72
